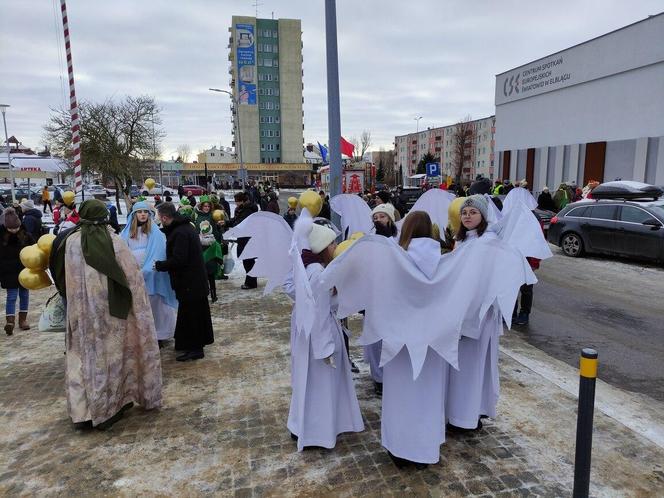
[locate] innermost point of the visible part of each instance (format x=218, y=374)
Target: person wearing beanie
x=383, y=217
x=32, y=218
x=472, y=389
x=112, y=358
x=323, y=402
x=13, y=238
x=545, y=201
x=384, y=197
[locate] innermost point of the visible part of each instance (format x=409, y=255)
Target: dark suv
x=610, y=226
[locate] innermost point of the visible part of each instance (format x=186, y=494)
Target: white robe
x=323, y=402
x=413, y=413
x=473, y=390
x=164, y=315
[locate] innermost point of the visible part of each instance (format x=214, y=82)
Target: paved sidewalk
x=222, y=430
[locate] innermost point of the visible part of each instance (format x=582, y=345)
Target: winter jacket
x=290, y=217
x=32, y=222
x=241, y=213
x=325, y=210
x=545, y=201
x=272, y=206
x=10, y=263
x=184, y=261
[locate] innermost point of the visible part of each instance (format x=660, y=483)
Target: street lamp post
x=242, y=172
x=417, y=138
x=418, y=123
x=3, y=108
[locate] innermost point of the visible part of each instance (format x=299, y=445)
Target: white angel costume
x=323, y=401
x=518, y=195
x=473, y=389
x=420, y=324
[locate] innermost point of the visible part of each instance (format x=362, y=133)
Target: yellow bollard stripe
x=588, y=367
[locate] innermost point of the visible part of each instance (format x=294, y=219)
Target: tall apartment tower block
x=266, y=80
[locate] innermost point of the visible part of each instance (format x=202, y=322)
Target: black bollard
x=584, y=422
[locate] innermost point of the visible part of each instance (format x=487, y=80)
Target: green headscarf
x=97, y=248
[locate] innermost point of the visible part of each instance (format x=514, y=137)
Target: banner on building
x=353, y=182
x=246, y=64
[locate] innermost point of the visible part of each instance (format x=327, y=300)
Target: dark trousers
x=213, y=287
x=47, y=203
x=247, y=263
x=526, y=292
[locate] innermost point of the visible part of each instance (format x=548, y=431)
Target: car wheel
x=167, y=192
x=572, y=245
x=145, y=192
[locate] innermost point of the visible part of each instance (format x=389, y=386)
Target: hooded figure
x=562, y=197
x=112, y=358
x=148, y=244
x=323, y=402
x=31, y=218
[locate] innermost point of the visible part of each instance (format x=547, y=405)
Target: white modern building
x=217, y=155
x=594, y=111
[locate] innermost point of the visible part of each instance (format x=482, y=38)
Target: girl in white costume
x=473, y=389
x=323, y=402
x=413, y=412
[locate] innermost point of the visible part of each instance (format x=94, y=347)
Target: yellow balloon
x=68, y=197
x=292, y=202
x=312, y=201
x=217, y=215
x=343, y=246
x=45, y=242
x=34, y=279
x=356, y=235
x=150, y=183
x=33, y=258
x=454, y=214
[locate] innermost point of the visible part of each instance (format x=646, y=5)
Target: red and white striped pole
x=73, y=109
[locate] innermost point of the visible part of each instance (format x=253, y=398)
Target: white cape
x=446, y=294
x=435, y=202
x=516, y=195
x=354, y=212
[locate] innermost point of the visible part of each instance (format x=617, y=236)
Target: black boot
x=191, y=355
x=107, y=424
x=378, y=388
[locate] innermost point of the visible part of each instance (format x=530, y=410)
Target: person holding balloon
x=13, y=238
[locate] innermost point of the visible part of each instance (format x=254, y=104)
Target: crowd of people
x=129, y=292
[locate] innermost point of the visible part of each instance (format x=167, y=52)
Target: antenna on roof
x=256, y=4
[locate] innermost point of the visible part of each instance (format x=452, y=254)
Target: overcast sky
x=398, y=59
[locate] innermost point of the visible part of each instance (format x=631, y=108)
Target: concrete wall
x=619, y=161
x=651, y=160
x=290, y=82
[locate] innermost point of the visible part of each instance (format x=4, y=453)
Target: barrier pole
x=584, y=422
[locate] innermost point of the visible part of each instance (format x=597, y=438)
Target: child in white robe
x=413, y=412
x=473, y=389
x=323, y=402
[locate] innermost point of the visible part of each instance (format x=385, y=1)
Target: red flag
x=347, y=148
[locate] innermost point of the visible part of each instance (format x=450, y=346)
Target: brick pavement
x=222, y=429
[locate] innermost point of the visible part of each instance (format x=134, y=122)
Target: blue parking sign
x=433, y=169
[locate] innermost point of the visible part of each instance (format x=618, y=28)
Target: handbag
x=54, y=316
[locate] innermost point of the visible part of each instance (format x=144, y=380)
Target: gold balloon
x=34, y=258
x=343, y=246
x=217, y=215
x=45, y=242
x=68, y=197
x=454, y=214
x=34, y=279
x=312, y=201
x=292, y=202
x=356, y=236
x=150, y=183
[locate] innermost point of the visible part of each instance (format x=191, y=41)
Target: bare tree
x=365, y=142
x=462, y=147
x=183, y=151
x=118, y=139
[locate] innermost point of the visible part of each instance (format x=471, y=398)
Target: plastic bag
x=54, y=316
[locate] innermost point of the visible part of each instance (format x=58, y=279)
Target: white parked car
x=158, y=189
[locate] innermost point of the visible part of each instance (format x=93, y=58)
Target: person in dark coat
x=244, y=207
x=272, y=203
x=32, y=218
x=180, y=191
x=545, y=201
x=191, y=198
x=13, y=238
x=113, y=217
x=325, y=211
x=480, y=186
x=224, y=204
x=186, y=268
